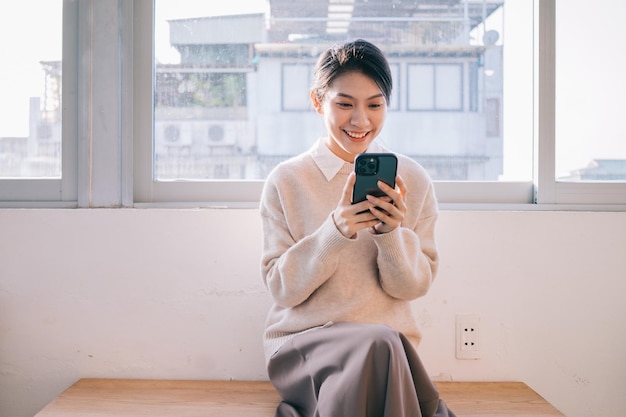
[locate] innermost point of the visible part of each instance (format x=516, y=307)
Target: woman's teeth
x=356, y=135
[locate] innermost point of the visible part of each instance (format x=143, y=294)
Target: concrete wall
x=169, y=293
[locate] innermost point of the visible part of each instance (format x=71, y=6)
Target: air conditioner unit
x=173, y=134
x=226, y=132
x=227, y=137
x=217, y=132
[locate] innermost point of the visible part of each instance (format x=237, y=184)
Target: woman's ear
x=316, y=103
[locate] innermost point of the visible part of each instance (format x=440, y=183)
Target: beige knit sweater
x=315, y=275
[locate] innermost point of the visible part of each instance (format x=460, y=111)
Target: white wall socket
x=467, y=336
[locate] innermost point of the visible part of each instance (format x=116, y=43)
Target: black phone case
x=368, y=183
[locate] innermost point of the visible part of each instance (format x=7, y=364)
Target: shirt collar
x=328, y=162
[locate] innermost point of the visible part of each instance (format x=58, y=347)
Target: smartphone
x=370, y=168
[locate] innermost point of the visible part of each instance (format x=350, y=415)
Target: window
x=30, y=109
x=35, y=158
x=205, y=114
x=296, y=80
x=394, y=100
x=590, y=90
x=477, y=118
x=440, y=57
x=492, y=117
x=422, y=89
x=435, y=87
x=432, y=53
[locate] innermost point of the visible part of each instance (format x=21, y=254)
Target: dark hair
x=358, y=56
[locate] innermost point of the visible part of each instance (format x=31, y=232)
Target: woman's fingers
x=391, y=208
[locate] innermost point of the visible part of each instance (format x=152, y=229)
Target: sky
x=21, y=76
x=179, y=9
x=590, y=84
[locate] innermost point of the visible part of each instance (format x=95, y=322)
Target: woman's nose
x=359, y=117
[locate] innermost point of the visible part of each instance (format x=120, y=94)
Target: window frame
x=55, y=192
x=229, y=193
x=542, y=192
x=551, y=193
x=435, y=88
x=106, y=65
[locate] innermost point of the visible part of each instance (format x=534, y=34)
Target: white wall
x=164, y=293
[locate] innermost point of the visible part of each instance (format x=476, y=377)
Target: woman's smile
x=356, y=136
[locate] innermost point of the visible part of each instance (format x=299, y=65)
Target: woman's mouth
x=358, y=136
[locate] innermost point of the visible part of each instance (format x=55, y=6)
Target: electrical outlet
x=467, y=336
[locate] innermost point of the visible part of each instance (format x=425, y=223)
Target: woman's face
x=354, y=111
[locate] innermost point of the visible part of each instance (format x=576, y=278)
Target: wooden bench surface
x=177, y=398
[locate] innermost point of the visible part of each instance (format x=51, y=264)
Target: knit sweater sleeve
x=292, y=269
x=408, y=257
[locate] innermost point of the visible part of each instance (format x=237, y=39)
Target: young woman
x=340, y=339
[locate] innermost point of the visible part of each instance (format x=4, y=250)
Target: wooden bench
x=177, y=398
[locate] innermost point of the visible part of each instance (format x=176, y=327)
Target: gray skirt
x=353, y=370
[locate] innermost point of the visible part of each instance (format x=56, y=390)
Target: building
x=232, y=105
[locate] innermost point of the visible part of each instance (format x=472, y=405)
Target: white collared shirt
x=328, y=162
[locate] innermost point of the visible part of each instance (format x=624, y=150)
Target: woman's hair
x=355, y=56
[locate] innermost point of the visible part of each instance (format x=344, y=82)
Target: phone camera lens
x=367, y=166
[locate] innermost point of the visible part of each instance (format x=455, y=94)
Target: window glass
x=30, y=86
x=449, y=87
x=231, y=104
x=295, y=85
x=590, y=91
x=394, y=100
x=422, y=87
x=435, y=87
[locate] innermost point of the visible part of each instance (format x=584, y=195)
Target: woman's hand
x=381, y=214
x=350, y=218
x=390, y=210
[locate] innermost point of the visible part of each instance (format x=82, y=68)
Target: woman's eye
x=344, y=104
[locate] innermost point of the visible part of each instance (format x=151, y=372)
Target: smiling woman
x=319, y=244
